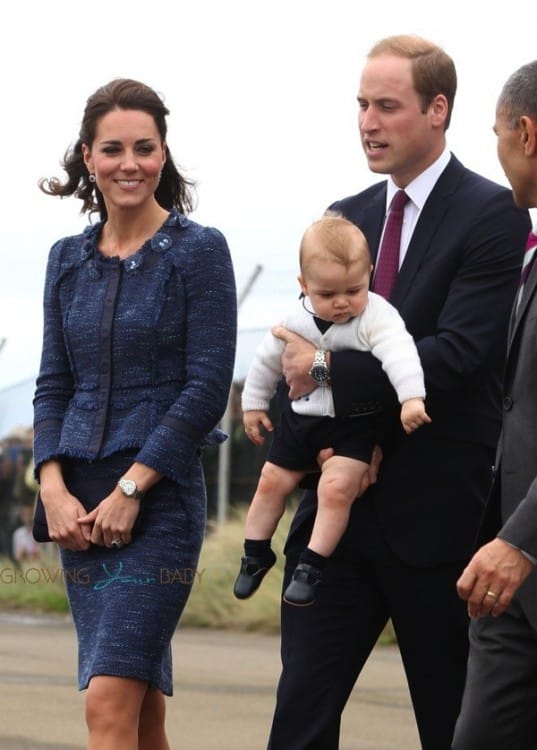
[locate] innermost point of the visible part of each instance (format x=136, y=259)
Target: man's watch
x=319, y=369
x=129, y=488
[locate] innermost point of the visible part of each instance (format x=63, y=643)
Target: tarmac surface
x=224, y=691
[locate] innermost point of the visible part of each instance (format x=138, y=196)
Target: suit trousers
x=325, y=646
x=392, y=562
x=499, y=705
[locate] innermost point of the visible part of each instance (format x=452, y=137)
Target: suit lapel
x=517, y=316
x=373, y=221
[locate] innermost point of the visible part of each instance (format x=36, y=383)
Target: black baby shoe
x=301, y=590
x=252, y=572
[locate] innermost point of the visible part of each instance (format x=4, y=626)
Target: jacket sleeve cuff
x=46, y=442
x=520, y=529
x=171, y=448
x=531, y=558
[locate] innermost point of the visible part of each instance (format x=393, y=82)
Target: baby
x=337, y=311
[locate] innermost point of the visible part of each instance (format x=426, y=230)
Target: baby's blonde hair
x=335, y=238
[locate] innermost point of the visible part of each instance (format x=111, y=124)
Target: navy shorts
x=297, y=439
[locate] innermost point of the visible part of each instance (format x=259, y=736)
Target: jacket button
x=507, y=403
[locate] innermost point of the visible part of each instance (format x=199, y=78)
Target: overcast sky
x=263, y=116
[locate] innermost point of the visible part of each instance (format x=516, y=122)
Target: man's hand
x=492, y=577
x=370, y=476
x=297, y=360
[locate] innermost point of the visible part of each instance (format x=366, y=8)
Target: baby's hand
x=413, y=414
x=253, y=421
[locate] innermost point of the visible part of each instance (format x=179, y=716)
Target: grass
x=212, y=604
x=38, y=585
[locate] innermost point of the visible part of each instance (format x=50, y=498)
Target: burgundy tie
x=529, y=257
x=527, y=264
x=388, y=260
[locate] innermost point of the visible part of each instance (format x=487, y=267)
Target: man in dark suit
x=500, y=699
x=412, y=533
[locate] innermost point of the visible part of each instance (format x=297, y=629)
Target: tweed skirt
x=126, y=603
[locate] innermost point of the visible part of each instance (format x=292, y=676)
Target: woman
x=138, y=350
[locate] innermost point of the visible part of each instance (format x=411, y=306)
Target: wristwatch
x=129, y=488
x=319, y=369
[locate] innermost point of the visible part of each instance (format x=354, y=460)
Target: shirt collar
x=421, y=186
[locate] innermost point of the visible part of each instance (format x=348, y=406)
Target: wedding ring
x=116, y=543
x=491, y=594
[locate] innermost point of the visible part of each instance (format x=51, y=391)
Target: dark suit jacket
x=513, y=503
x=455, y=290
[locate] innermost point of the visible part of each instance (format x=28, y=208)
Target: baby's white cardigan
x=379, y=329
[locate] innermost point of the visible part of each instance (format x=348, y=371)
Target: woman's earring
x=91, y=178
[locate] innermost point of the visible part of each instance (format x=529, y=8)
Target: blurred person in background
x=24, y=545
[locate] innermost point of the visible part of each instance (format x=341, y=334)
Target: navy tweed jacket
x=137, y=353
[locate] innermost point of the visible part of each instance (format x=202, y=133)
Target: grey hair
x=519, y=95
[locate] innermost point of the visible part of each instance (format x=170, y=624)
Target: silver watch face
x=320, y=373
x=128, y=486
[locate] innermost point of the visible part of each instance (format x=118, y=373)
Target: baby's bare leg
x=268, y=503
x=338, y=488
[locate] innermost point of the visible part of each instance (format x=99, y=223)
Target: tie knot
x=399, y=201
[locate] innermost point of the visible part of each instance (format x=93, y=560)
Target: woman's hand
x=63, y=512
x=62, y=509
x=112, y=520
